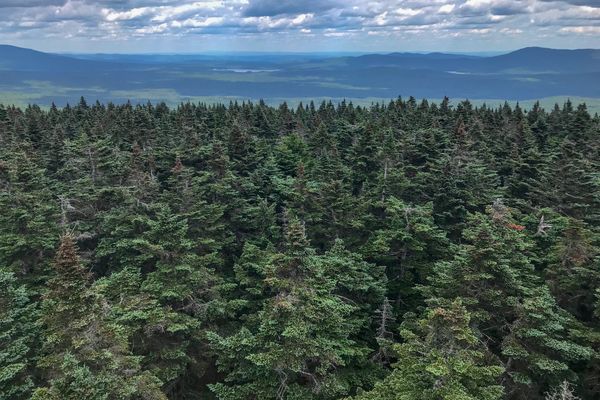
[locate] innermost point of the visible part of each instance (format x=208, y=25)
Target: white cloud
x=407, y=12
x=153, y=29
x=356, y=20
x=198, y=22
x=300, y=19
x=582, y=30
x=167, y=13
x=111, y=15
x=446, y=8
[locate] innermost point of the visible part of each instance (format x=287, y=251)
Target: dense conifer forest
x=402, y=251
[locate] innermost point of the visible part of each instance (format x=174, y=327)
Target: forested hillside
x=402, y=251
x=29, y=76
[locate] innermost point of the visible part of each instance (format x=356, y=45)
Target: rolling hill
x=31, y=76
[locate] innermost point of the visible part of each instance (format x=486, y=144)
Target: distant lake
x=244, y=70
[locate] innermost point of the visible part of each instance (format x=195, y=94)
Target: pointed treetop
x=295, y=234
x=178, y=167
x=66, y=256
x=67, y=262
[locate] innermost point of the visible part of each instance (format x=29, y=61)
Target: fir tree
x=441, y=358
x=18, y=332
x=519, y=318
x=85, y=354
x=302, y=338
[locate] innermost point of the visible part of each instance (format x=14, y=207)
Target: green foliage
x=537, y=341
x=85, y=354
x=18, y=332
x=31, y=214
x=574, y=271
x=77, y=381
x=305, y=333
x=407, y=241
x=440, y=358
x=317, y=252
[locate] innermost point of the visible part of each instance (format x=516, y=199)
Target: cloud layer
x=298, y=25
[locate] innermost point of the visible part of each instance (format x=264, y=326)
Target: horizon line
x=320, y=52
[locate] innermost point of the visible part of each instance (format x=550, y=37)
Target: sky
x=182, y=26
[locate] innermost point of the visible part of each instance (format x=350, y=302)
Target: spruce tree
x=84, y=353
x=18, y=338
x=302, y=338
x=491, y=274
x=441, y=357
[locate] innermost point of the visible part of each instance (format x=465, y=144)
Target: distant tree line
x=402, y=251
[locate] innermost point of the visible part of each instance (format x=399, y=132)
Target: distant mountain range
x=31, y=76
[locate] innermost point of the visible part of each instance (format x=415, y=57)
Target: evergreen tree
x=31, y=213
x=270, y=252
x=441, y=357
x=181, y=285
x=572, y=186
x=406, y=241
x=522, y=324
x=84, y=353
x=18, y=338
x=574, y=272
x=302, y=337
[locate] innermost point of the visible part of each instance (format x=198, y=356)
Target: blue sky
x=297, y=25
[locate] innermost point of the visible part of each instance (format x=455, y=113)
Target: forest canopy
x=402, y=251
